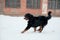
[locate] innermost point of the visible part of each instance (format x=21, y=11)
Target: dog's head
x=28, y=16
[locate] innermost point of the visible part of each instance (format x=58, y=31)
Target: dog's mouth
x=26, y=18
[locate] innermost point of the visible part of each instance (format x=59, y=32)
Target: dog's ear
x=30, y=15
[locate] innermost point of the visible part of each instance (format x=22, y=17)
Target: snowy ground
x=11, y=27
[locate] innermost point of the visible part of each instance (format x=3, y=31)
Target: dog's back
x=42, y=20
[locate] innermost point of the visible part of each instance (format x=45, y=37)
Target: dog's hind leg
x=40, y=29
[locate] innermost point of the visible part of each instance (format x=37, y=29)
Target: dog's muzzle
x=26, y=18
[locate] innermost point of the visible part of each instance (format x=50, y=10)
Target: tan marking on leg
x=40, y=29
x=34, y=29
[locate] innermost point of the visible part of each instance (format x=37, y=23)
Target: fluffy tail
x=49, y=15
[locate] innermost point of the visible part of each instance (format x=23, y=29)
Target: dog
x=34, y=22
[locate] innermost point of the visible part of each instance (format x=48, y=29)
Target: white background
x=11, y=27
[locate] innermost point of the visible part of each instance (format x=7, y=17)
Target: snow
x=11, y=27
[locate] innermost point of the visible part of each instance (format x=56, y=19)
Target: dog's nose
x=24, y=18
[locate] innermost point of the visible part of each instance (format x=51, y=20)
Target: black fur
x=37, y=21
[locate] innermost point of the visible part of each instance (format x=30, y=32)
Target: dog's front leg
x=27, y=28
x=34, y=29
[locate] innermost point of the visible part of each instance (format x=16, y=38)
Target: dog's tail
x=49, y=15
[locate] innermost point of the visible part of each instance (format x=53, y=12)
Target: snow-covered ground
x=11, y=27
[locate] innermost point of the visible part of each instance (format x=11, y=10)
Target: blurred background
x=35, y=7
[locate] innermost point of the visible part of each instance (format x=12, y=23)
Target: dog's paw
x=22, y=32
